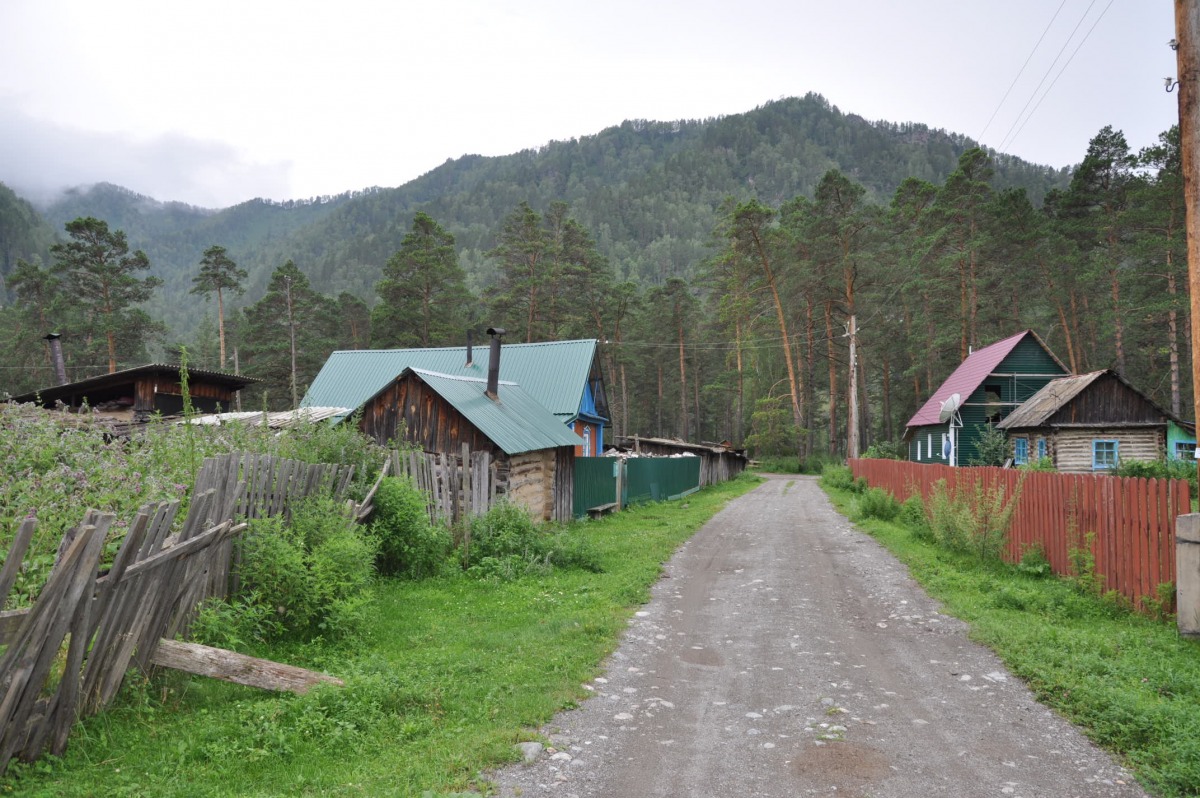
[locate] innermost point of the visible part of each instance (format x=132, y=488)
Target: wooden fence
x=1129, y=523
x=66, y=656
x=455, y=492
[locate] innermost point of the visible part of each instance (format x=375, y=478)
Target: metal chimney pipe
x=470, y=356
x=56, y=355
x=493, y=382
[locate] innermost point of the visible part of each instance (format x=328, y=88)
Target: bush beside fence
x=1124, y=527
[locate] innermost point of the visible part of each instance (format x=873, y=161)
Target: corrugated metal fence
x=1132, y=519
x=643, y=479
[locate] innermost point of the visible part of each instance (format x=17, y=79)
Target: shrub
x=991, y=449
x=409, y=545
x=877, y=503
x=839, y=477
x=974, y=521
x=1034, y=562
x=1040, y=464
x=912, y=515
x=505, y=543
x=885, y=450
x=301, y=579
x=1159, y=469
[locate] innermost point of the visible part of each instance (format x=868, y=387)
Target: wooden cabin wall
x=1105, y=401
x=409, y=410
x=531, y=482
x=1072, y=448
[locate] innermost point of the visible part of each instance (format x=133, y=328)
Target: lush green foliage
x=1159, y=469
x=307, y=576
x=451, y=672
x=839, y=477
x=886, y=450
x=974, y=520
x=1129, y=681
x=505, y=543
x=876, y=503
x=54, y=468
x=409, y=545
x=992, y=447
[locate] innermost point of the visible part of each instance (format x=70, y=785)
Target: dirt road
x=786, y=654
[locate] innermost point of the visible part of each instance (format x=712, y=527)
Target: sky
x=213, y=103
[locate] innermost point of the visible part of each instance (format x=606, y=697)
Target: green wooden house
x=990, y=384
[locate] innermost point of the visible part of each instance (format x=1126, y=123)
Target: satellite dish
x=949, y=408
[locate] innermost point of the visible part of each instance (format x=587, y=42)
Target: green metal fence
x=595, y=483
x=645, y=479
x=652, y=479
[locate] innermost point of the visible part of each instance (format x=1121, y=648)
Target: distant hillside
x=648, y=191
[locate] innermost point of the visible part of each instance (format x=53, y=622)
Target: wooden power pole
x=1187, y=36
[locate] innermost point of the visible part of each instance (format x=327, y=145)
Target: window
x=1185, y=450
x=918, y=450
x=1104, y=455
x=992, y=395
x=1020, y=451
x=1041, y=449
x=587, y=441
x=929, y=446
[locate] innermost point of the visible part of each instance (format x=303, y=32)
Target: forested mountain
x=648, y=191
x=720, y=260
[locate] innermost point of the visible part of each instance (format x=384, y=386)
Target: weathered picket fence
x=66, y=656
x=458, y=486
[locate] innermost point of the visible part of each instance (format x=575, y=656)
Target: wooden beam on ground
x=230, y=666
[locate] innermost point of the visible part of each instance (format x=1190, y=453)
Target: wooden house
x=1086, y=423
x=562, y=376
x=991, y=383
x=533, y=451
x=134, y=395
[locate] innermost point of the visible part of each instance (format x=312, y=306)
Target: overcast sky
x=216, y=102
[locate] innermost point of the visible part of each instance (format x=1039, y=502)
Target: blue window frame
x=1185, y=450
x=1020, y=451
x=1041, y=448
x=1104, y=455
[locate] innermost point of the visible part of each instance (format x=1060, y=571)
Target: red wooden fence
x=1132, y=519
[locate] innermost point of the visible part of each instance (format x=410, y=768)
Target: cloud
x=42, y=158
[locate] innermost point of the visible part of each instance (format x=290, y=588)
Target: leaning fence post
x=1187, y=574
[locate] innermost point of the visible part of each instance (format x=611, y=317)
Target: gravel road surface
x=786, y=654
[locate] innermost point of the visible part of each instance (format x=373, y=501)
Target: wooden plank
x=237, y=668
x=15, y=558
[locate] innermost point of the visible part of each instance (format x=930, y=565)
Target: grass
x=451, y=674
x=1129, y=682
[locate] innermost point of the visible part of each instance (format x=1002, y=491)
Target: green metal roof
x=554, y=373
x=516, y=422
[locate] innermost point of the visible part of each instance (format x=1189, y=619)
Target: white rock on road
x=791, y=655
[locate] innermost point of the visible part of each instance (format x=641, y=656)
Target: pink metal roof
x=969, y=375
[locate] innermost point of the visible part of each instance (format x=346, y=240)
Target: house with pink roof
x=991, y=383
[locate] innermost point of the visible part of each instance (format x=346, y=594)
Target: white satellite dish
x=950, y=408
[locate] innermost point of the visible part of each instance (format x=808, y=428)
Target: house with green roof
x=562, y=376
x=531, y=449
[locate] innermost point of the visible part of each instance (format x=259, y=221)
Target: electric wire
x=1049, y=69
x=1021, y=71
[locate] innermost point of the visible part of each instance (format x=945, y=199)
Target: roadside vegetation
x=1127, y=680
x=454, y=645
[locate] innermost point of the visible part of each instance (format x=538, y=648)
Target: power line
x=1064, y=69
x=1021, y=71
x=1049, y=69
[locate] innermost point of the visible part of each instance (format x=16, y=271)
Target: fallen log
x=230, y=666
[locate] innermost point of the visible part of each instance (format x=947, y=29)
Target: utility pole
x=852, y=443
x=1187, y=57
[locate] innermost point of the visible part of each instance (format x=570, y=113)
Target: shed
x=442, y=412
x=562, y=376
x=719, y=462
x=135, y=394
x=1086, y=423
x=991, y=382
